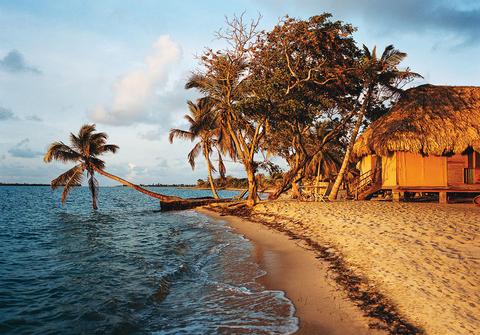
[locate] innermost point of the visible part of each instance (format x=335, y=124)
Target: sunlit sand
x=425, y=258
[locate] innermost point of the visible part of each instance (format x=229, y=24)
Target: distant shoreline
x=22, y=184
x=184, y=186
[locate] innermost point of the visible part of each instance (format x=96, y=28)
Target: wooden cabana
x=428, y=142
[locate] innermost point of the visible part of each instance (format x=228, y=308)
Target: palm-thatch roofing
x=429, y=120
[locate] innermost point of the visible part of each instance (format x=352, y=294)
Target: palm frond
x=76, y=142
x=189, y=119
x=71, y=178
x=97, y=162
x=98, y=139
x=366, y=51
x=83, y=138
x=179, y=133
x=86, y=130
x=193, y=154
x=61, y=152
x=221, y=167
x=195, y=81
x=63, y=179
x=113, y=148
x=392, y=57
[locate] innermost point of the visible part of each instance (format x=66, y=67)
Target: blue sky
x=123, y=64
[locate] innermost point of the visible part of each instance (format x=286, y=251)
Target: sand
x=321, y=305
x=424, y=258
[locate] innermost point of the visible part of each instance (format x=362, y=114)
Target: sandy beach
x=321, y=305
x=423, y=259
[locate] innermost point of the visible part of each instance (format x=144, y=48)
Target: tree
x=302, y=73
x=84, y=150
x=382, y=80
x=203, y=127
x=224, y=80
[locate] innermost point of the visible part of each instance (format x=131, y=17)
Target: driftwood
x=182, y=204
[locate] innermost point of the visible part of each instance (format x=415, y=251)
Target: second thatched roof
x=428, y=119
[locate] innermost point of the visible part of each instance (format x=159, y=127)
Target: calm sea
x=127, y=268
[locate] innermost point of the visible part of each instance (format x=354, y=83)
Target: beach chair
x=240, y=196
x=322, y=191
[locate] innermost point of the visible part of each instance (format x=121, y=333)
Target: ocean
x=127, y=268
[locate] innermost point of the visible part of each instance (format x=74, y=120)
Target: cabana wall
x=409, y=172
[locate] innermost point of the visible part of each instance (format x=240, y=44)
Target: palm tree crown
x=84, y=149
x=202, y=126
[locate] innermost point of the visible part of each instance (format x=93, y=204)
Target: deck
x=442, y=191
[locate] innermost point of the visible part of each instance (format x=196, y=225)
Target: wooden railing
x=366, y=180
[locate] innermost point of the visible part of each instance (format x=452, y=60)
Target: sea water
x=127, y=268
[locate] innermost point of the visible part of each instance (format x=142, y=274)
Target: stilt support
x=442, y=197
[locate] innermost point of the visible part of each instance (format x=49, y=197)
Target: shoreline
x=292, y=266
x=413, y=267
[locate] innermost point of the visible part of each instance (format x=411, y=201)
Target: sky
x=123, y=64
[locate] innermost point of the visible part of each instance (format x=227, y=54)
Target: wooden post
x=395, y=196
x=442, y=197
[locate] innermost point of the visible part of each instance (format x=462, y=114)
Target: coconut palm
x=381, y=77
x=203, y=127
x=225, y=84
x=84, y=149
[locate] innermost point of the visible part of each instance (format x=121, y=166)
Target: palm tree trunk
x=210, y=178
x=94, y=203
x=341, y=173
x=136, y=187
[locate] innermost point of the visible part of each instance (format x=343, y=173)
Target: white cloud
x=135, y=92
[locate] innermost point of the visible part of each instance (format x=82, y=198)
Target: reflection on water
x=127, y=268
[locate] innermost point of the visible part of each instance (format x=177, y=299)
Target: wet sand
x=321, y=305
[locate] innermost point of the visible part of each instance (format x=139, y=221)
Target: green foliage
x=300, y=91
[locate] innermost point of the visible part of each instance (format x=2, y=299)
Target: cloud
x=6, y=114
x=135, y=92
x=444, y=18
x=34, y=118
x=14, y=62
x=156, y=134
x=22, y=150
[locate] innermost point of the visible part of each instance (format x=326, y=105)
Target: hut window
x=477, y=160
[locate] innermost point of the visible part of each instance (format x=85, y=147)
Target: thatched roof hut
x=428, y=120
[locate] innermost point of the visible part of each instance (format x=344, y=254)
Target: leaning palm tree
x=381, y=77
x=202, y=126
x=84, y=149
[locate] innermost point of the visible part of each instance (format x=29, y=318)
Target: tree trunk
x=136, y=187
x=290, y=177
x=210, y=178
x=341, y=173
x=252, y=187
x=94, y=203
x=295, y=185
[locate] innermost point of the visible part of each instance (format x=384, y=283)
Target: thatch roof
x=428, y=119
